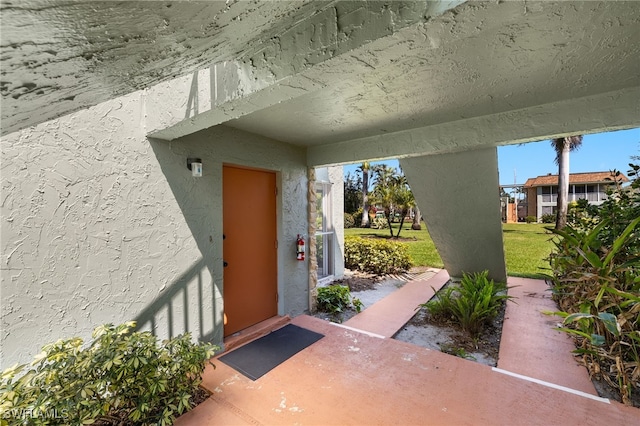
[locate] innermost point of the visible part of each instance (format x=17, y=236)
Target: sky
x=599, y=152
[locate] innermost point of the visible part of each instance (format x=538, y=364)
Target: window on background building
x=324, y=230
x=549, y=194
x=549, y=209
x=579, y=192
x=592, y=192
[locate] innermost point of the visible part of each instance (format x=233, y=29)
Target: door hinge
x=277, y=297
x=276, y=191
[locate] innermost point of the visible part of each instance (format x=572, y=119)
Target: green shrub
x=548, y=218
x=531, y=219
x=580, y=215
x=621, y=207
x=121, y=376
x=335, y=299
x=376, y=256
x=472, y=304
x=349, y=221
x=380, y=223
x=357, y=217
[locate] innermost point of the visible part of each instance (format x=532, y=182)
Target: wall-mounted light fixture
x=195, y=165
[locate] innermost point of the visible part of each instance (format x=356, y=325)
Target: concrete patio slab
x=356, y=374
x=354, y=378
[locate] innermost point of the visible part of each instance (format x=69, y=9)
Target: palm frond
x=558, y=145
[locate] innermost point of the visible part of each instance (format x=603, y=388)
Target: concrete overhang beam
x=287, y=65
x=593, y=114
x=202, y=108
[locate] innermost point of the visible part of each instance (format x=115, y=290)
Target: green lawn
x=526, y=246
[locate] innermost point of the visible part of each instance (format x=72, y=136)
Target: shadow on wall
x=191, y=302
x=175, y=306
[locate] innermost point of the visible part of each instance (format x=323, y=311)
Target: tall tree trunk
x=563, y=186
x=404, y=213
x=416, y=219
x=364, y=223
x=387, y=213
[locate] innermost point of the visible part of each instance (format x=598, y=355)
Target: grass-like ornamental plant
x=472, y=304
x=376, y=256
x=597, y=287
x=121, y=377
x=596, y=283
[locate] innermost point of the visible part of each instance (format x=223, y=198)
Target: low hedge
x=548, y=218
x=376, y=256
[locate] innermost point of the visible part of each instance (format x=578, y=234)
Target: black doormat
x=257, y=358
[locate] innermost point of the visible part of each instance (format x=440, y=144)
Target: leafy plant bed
x=447, y=336
x=423, y=329
x=360, y=281
x=119, y=418
x=367, y=289
x=337, y=318
x=122, y=377
x=605, y=390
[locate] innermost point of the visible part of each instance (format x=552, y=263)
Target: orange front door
x=249, y=247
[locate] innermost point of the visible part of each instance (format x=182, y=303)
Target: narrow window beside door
x=324, y=230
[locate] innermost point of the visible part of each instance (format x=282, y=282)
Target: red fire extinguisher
x=300, y=248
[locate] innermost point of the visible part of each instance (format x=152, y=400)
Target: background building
x=542, y=191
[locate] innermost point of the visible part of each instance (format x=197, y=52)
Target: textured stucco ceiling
x=377, y=67
x=480, y=59
x=61, y=56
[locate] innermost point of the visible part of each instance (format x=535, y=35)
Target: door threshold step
x=255, y=331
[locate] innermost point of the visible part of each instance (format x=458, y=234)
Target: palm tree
x=383, y=191
x=416, y=226
x=365, y=168
x=563, y=146
x=392, y=193
x=403, y=198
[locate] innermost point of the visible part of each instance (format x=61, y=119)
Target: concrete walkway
x=531, y=347
x=390, y=314
x=359, y=376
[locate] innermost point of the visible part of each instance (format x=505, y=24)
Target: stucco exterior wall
x=101, y=225
x=225, y=145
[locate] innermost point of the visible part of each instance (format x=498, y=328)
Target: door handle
x=225, y=264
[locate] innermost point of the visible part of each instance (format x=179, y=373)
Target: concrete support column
x=458, y=196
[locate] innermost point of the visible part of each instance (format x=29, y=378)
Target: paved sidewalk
x=531, y=347
x=390, y=314
x=356, y=376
